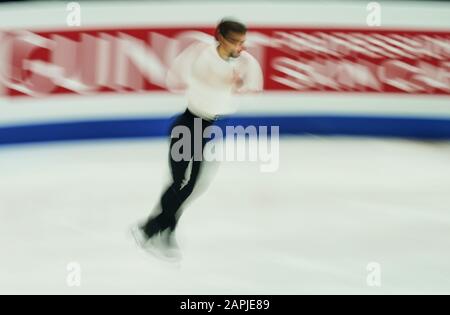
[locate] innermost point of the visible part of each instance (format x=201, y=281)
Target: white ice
x=334, y=206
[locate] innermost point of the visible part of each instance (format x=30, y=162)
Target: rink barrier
x=157, y=127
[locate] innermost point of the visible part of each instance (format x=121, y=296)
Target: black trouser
x=179, y=190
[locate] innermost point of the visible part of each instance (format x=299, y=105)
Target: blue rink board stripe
x=405, y=127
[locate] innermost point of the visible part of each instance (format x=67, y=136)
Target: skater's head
x=231, y=36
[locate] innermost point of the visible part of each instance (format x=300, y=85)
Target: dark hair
x=227, y=26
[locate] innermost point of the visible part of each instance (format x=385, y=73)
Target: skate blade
x=154, y=250
x=160, y=254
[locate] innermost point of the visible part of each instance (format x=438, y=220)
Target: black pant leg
x=179, y=190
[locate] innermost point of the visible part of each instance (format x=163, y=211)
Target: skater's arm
x=250, y=78
x=178, y=75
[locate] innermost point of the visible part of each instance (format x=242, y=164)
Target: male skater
x=210, y=74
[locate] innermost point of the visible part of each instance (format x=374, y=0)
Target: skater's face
x=233, y=43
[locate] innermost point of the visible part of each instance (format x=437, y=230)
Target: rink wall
x=326, y=70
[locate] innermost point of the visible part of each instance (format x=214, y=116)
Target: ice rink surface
x=334, y=206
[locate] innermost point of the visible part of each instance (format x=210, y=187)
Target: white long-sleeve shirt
x=207, y=79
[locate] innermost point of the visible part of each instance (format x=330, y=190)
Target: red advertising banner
x=89, y=61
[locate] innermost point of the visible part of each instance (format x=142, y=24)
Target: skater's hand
x=237, y=80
